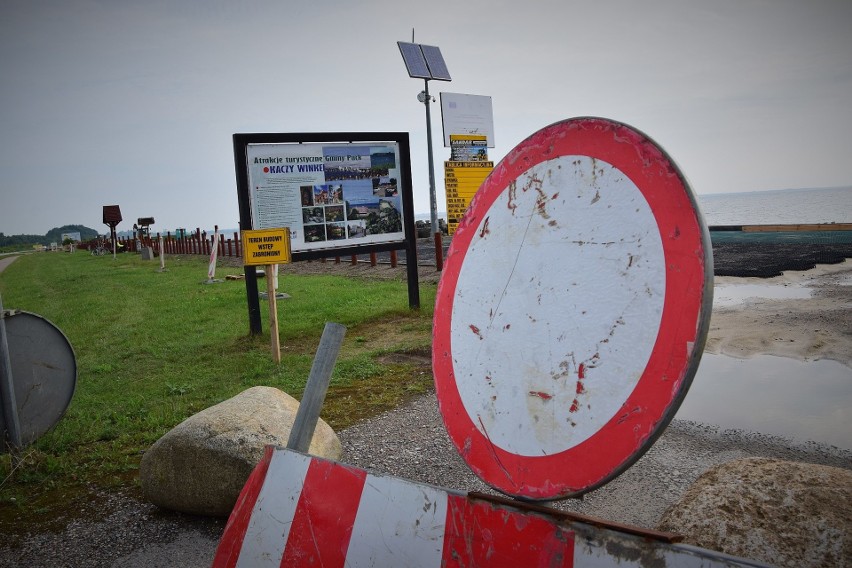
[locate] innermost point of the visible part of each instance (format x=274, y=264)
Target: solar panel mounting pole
x=426, y=62
x=433, y=202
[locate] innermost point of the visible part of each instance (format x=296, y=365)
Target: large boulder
x=201, y=465
x=779, y=512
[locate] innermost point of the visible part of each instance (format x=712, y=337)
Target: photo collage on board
x=360, y=197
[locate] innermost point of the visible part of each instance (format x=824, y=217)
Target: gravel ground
x=409, y=442
x=117, y=529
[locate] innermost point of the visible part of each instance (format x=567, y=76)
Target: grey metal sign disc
x=44, y=372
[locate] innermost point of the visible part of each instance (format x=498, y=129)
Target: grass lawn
x=153, y=348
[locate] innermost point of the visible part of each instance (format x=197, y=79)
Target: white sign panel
x=329, y=195
x=467, y=114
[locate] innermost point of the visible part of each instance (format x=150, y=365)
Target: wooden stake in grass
x=273, y=314
x=162, y=255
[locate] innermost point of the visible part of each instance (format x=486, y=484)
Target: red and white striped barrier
x=298, y=510
x=214, y=255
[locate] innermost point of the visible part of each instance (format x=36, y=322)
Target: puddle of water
x=773, y=395
x=736, y=294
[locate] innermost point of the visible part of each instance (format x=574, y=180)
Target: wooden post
x=372, y=259
x=309, y=409
x=393, y=258
x=273, y=315
x=162, y=256
x=354, y=260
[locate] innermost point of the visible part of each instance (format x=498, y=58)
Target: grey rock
x=779, y=512
x=201, y=465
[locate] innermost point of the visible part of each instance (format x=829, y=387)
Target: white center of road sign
x=519, y=289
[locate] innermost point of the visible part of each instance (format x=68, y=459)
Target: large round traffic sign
x=572, y=311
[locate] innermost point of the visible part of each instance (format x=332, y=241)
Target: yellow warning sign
x=266, y=246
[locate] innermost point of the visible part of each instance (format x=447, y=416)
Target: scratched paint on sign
x=557, y=306
x=398, y=524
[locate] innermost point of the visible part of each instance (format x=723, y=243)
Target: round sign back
x=44, y=373
x=572, y=311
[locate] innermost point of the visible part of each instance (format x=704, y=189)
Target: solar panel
x=414, y=60
x=435, y=61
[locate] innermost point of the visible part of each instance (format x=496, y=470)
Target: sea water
x=783, y=206
x=786, y=206
x=801, y=400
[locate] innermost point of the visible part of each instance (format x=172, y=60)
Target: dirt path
x=6, y=261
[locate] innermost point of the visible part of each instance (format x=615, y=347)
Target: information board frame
x=307, y=144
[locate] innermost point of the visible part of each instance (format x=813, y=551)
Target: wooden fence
x=198, y=242
x=201, y=243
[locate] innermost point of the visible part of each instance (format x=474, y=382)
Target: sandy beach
x=116, y=529
x=816, y=327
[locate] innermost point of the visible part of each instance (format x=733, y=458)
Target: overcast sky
x=134, y=103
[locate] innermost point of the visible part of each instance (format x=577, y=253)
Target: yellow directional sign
x=461, y=182
x=266, y=246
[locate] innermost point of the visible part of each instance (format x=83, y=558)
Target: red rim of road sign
x=678, y=346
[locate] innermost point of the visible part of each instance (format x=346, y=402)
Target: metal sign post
x=9, y=407
x=426, y=62
x=316, y=388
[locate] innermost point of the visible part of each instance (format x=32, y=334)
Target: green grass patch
x=153, y=348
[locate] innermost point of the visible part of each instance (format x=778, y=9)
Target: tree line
x=52, y=236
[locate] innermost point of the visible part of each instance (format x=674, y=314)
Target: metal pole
x=433, y=205
x=314, y=395
x=7, y=388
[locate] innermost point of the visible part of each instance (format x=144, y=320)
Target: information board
x=468, y=148
x=338, y=193
x=467, y=114
x=330, y=195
